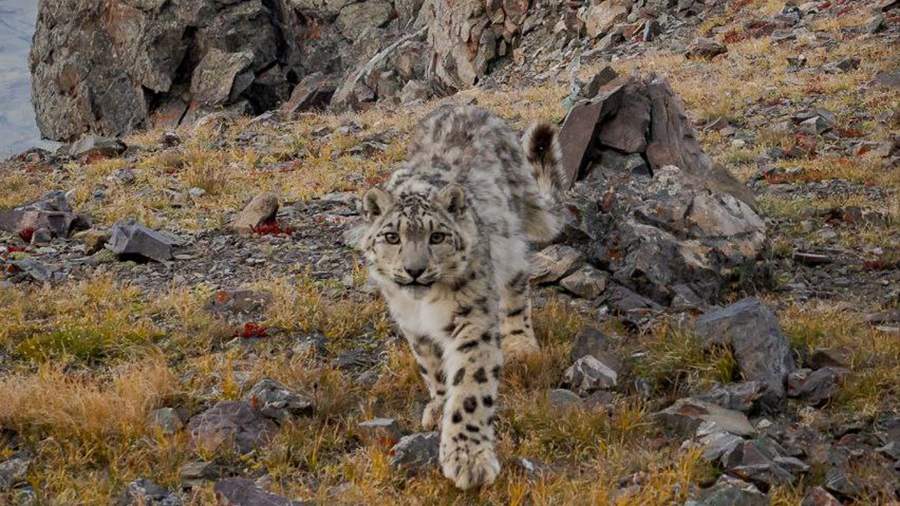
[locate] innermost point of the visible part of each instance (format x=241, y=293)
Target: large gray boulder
x=752, y=331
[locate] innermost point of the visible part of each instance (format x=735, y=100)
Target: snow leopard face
x=416, y=241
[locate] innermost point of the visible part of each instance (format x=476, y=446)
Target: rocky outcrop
x=112, y=67
x=648, y=206
x=466, y=37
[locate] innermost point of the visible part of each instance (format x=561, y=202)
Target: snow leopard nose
x=415, y=272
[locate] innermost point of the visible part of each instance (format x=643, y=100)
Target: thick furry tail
x=543, y=220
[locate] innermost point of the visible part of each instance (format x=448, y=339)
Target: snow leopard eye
x=437, y=238
x=392, y=238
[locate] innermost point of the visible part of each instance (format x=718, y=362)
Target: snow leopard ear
x=453, y=199
x=375, y=202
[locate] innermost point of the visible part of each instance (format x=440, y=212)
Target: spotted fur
x=446, y=240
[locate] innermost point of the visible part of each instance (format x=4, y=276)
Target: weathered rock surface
x=260, y=210
x=244, y=492
x=277, y=402
x=381, y=431
x=729, y=491
x=51, y=212
x=762, y=462
x=737, y=396
x=132, y=239
x=465, y=37
x=818, y=496
x=589, y=374
x=231, y=422
x=416, y=452
x=587, y=282
x=751, y=329
x=166, y=420
x=815, y=387
x=705, y=48
x=144, y=492
x=590, y=341
x=687, y=415
x=554, y=262
x=94, y=145
x=563, y=398
x=13, y=471
x=112, y=67
x=649, y=206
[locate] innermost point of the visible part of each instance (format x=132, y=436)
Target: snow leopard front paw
x=431, y=415
x=469, y=464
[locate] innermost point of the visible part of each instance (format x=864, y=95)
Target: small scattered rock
x=600, y=18
x=416, y=452
x=815, y=387
x=589, y=341
x=277, y=402
x=755, y=461
x=717, y=444
x=562, y=398
x=686, y=415
x=144, y=492
x=815, y=126
x=93, y=239
x=600, y=79
x=13, y=471
x=587, y=282
x=875, y=24
x=51, y=212
x=238, y=303
x=195, y=473
x=532, y=468
x=34, y=269
x=415, y=91
x=848, y=64
x=737, y=396
x=244, y=492
x=818, y=496
x=261, y=209
x=589, y=374
x=169, y=139
x=829, y=357
x=231, y=422
x=628, y=303
x=837, y=482
x=166, y=420
x=705, y=48
x=616, y=163
x=91, y=145
x=380, y=431
x=129, y=239
x=554, y=262
x=729, y=491
x=811, y=259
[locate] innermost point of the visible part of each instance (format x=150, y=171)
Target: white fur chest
x=417, y=316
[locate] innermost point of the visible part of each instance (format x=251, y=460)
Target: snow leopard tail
x=543, y=218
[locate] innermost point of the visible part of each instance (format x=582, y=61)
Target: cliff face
x=111, y=67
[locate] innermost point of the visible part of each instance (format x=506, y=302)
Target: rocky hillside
x=184, y=323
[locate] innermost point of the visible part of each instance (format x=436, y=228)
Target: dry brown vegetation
x=90, y=360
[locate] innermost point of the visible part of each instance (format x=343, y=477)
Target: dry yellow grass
x=79, y=388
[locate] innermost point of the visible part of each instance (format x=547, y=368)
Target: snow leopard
x=446, y=240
